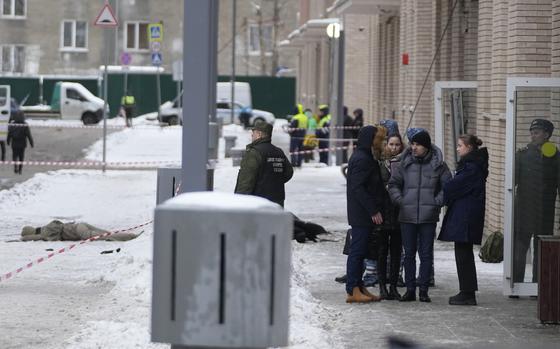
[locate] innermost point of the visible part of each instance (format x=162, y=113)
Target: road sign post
x=105, y=19
x=155, y=37
x=126, y=59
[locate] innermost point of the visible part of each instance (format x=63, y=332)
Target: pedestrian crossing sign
x=155, y=32
x=157, y=58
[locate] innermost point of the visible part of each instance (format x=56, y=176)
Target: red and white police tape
x=93, y=164
x=79, y=126
x=6, y=276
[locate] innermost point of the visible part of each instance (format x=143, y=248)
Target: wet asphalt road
x=51, y=144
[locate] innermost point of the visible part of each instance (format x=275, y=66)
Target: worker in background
x=128, y=103
x=323, y=133
x=298, y=128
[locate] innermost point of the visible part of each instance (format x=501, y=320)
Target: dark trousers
x=466, y=269
x=418, y=238
x=389, y=240
x=3, y=147
x=356, y=256
x=129, y=112
x=522, y=242
x=324, y=155
x=18, y=154
x=345, y=152
x=296, y=145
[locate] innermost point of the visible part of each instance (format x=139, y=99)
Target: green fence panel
x=276, y=95
x=21, y=87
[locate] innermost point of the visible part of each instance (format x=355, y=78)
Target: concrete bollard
x=221, y=272
x=236, y=155
x=229, y=143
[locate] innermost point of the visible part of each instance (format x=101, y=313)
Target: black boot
x=423, y=297
x=463, y=298
x=394, y=293
x=341, y=279
x=383, y=293
x=409, y=296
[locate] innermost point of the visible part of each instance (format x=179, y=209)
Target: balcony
x=365, y=7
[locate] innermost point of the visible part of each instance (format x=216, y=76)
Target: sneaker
x=463, y=298
x=341, y=279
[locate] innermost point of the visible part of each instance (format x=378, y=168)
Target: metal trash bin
x=221, y=271
x=169, y=182
x=549, y=279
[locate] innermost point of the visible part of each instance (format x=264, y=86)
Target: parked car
x=173, y=115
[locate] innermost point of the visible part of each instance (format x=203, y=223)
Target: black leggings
x=3, y=146
x=18, y=154
x=389, y=241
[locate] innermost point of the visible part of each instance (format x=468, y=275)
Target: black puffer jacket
x=390, y=210
x=19, y=133
x=417, y=186
x=365, y=192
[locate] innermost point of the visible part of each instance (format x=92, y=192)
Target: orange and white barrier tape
x=6, y=276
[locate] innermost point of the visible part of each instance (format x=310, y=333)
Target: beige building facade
x=396, y=50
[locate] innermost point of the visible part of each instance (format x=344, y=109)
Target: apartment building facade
x=58, y=36
x=396, y=50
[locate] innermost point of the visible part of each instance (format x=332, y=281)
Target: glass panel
x=267, y=38
x=6, y=58
x=20, y=7
x=19, y=59
x=72, y=94
x=81, y=34
x=143, y=36
x=130, y=35
x=7, y=7
x=254, y=38
x=67, y=34
x=537, y=176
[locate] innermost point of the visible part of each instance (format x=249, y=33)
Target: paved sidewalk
x=497, y=321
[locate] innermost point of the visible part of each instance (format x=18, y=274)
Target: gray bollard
x=237, y=155
x=229, y=143
x=221, y=272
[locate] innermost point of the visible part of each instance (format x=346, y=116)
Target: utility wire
x=432, y=64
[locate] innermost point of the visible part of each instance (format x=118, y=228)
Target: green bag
x=493, y=249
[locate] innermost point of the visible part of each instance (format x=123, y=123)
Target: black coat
x=365, y=192
x=465, y=196
x=19, y=133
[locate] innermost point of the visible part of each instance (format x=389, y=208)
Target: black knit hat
x=422, y=138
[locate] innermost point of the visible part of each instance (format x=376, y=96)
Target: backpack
x=493, y=249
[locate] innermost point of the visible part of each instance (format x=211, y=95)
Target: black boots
x=423, y=297
x=463, y=298
x=394, y=293
x=383, y=293
x=409, y=296
x=340, y=279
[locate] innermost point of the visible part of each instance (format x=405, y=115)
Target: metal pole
x=125, y=80
x=340, y=96
x=105, y=99
x=199, y=40
x=158, y=86
x=232, y=79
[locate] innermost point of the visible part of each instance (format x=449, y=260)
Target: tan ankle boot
x=373, y=297
x=357, y=297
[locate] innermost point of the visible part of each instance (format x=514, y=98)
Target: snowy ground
x=82, y=299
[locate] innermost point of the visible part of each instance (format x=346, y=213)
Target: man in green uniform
x=264, y=167
x=128, y=103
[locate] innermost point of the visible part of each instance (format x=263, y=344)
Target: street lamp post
x=336, y=33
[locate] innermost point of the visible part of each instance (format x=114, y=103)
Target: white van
x=242, y=93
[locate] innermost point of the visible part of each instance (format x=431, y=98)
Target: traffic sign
x=126, y=58
x=106, y=17
x=155, y=32
x=156, y=46
x=157, y=58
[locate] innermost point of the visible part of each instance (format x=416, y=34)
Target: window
x=254, y=40
x=136, y=36
x=73, y=94
x=14, y=8
x=74, y=35
x=12, y=58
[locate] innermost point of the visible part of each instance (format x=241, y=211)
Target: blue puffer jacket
x=365, y=192
x=465, y=196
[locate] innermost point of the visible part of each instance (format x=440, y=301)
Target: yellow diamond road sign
x=155, y=32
